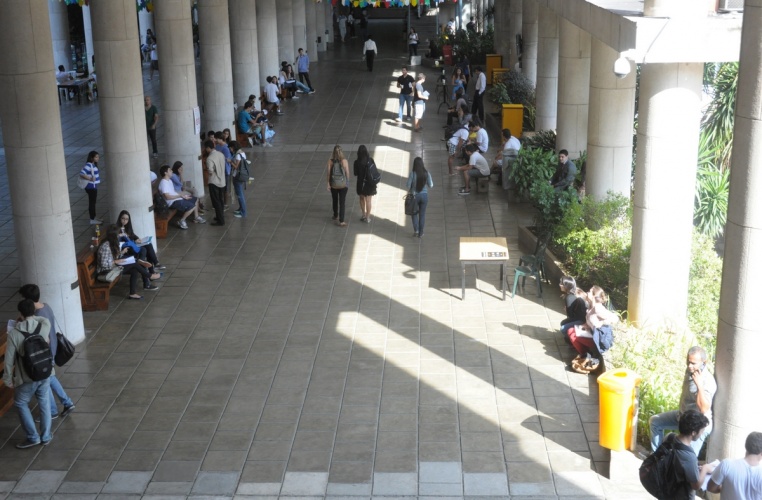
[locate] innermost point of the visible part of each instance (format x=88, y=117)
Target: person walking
x=366, y=188
x=420, y=97
x=91, y=174
x=405, y=84
x=369, y=51
x=338, y=183
x=152, y=119
x=418, y=183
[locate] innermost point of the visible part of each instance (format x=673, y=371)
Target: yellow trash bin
x=618, y=408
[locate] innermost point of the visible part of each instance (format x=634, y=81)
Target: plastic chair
x=537, y=259
x=523, y=272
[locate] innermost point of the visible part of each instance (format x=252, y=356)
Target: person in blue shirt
x=221, y=146
x=418, y=183
x=303, y=67
x=91, y=174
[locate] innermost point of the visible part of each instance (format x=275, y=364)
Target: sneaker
x=52, y=417
x=312, y=91
x=95, y=221
x=158, y=267
x=45, y=443
x=237, y=215
x=267, y=144
x=398, y=119
x=199, y=220
x=295, y=97
x=237, y=212
x=182, y=224
x=362, y=219
x=464, y=193
x=67, y=410
x=368, y=220
x=155, y=155
x=281, y=113
x=27, y=444
x=153, y=288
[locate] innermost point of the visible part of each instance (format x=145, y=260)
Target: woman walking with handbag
x=418, y=184
x=89, y=178
x=338, y=183
x=366, y=188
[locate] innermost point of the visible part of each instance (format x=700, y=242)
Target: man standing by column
x=215, y=165
x=481, y=86
x=152, y=119
x=303, y=67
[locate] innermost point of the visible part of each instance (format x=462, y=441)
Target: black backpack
x=243, y=171
x=160, y=205
x=37, y=359
x=659, y=474
x=373, y=173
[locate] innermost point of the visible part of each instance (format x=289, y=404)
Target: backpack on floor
x=658, y=473
x=338, y=179
x=37, y=359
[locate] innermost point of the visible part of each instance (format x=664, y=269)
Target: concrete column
x=244, y=48
x=285, y=19
x=665, y=176
x=34, y=150
x=216, y=66
x=502, y=29
x=123, y=123
x=59, y=31
x=267, y=38
x=610, y=125
x=328, y=17
x=573, y=88
x=89, y=48
x=177, y=66
x=514, y=28
x=312, y=32
x=318, y=10
x=675, y=8
x=529, y=33
x=145, y=22
x=546, y=92
x=299, y=16
x=739, y=331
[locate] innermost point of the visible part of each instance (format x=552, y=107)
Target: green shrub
x=704, y=290
x=543, y=139
x=551, y=205
x=711, y=209
x=532, y=165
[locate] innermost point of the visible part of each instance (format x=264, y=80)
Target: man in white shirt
x=482, y=138
x=186, y=204
x=477, y=167
x=369, y=50
x=740, y=479
x=271, y=95
x=510, y=149
x=477, y=108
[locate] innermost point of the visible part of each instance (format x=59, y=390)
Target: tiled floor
x=285, y=356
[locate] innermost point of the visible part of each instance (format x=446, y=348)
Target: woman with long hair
x=458, y=80
x=91, y=174
x=337, y=179
x=575, y=302
x=418, y=183
x=412, y=42
x=145, y=254
x=366, y=188
x=110, y=254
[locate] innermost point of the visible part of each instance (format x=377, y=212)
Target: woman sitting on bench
x=145, y=254
x=110, y=255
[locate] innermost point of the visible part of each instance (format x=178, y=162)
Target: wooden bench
x=161, y=222
x=95, y=294
x=6, y=393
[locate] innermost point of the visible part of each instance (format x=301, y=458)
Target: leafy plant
x=704, y=299
x=543, y=139
x=532, y=165
x=499, y=93
x=551, y=205
x=717, y=123
x=711, y=209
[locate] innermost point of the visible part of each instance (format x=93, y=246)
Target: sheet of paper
x=128, y=260
x=709, y=476
x=145, y=241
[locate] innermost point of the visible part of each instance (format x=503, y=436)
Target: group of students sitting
x=588, y=322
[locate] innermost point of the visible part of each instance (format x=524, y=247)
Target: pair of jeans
x=22, y=395
x=406, y=100
x=92, y=196
x=305, y=76
x=669, y=421
x=218, y=202
x=419, y=219
x=58, y=390
x=238, y=186
x=339, y=196
x=152, y=137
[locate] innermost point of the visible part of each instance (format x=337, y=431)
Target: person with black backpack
x=368, y=178
x=240, y=176
x=28, y=367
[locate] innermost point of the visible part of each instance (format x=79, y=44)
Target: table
x=481, y=250
x=77, y=85
x=442, y=87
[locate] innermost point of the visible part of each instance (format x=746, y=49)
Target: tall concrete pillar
x=529, y=33
x=267, y=38
x=318, y=9
x=669, y=113
x=675, y=8
x=312, y=32
x=546, y=91
x=573, y=88
x=244, y=49
x=610, y=124
x=59, y=31
x=515, y=25
x=177, y=64
x=123, y=123
x=145, y=22
x=285, y=18
x=34, y=150
x=89, y=47
x=739, y=332
x=216, y=66
x=502, y=17
x=299, y=16
x=328, y=18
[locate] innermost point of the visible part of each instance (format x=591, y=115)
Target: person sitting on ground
x=477, y=167
x=565, y=173
x=110, y=254
x=576, y=304
x=145, y=254
x=455, y=147
x=183, y=203
x=271, y=96
x=740, y=479
x=594, y=337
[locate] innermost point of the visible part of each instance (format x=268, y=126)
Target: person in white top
x=740, y=479
x=477, y=108
x=509, y=148
x=477, y=167
x=186, y=204
x=482, y=138
x=369, y=50
x=154, y=61
x=271, y=95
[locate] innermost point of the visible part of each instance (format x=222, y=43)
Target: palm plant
x=710, y=213
x=717, y=123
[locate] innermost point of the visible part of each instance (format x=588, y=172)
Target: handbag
x=111, y=275
x=64, y=351
x=82, y=182
x=411, y=205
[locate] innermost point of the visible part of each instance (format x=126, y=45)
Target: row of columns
x=578, y=94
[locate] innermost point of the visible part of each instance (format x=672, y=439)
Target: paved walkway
x=286, y=356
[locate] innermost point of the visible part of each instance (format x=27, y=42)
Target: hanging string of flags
x=386, y=3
